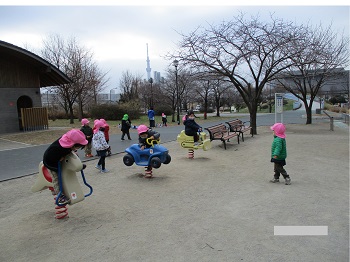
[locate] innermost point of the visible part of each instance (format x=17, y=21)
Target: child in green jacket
x=279, y=153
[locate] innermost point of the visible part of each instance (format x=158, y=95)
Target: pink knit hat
x=142, y=129
x=98, y=125
x=84, y=121
x=279, y=129
x=72, y=137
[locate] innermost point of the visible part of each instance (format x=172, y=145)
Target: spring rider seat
x=188, y=142
x=68, y=182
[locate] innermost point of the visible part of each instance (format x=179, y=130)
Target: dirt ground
x=218, y=206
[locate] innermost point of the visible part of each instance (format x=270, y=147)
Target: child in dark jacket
x=87, y=130
x=279, y=153
x=125, y=127
x=191, y=127
x=57, y=151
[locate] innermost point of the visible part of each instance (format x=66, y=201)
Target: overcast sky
x=117, y=35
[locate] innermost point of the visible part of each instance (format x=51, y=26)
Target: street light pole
x=176, y=63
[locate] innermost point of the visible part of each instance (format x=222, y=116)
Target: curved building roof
x=49, y=74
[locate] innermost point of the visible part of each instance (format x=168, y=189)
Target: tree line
x=236, y=62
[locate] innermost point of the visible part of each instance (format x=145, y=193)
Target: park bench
x=240, y=127
x=221, y=132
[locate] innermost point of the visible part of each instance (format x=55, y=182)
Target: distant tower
x=148, y=69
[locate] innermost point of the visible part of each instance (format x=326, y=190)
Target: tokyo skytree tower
x=148, y=69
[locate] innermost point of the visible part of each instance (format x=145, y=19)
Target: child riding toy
x=148, y=152
x=152, y=157
x=188, y=142
x=68, y=183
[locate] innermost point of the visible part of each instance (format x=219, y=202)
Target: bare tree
x=219, y=88
x=317, y=57
x=246, y=53
x=129, y=85
x=77, y=63
x=203, y=89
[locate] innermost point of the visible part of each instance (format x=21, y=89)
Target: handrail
x=331, y=120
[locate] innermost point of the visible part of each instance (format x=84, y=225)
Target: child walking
x=57, y=151
x=191, y=127
x=87, y=130
x=100, y=144
x=144, y=133
x=279, y=153
x=126, y=125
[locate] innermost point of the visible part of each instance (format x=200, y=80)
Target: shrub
x=163, y=108
x=115, y=111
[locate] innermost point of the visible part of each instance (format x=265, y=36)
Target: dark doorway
x=23, y=102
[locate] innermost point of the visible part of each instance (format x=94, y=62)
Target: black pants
x=126, y=132
x=102, y=160
x=195, y=136
x=152, y=123
x=279, y=170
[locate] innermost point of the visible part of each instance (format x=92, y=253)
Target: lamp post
x=176, y=63
x=151, y=100
x=270, y=105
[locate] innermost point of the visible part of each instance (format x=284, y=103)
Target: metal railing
x=331, y=120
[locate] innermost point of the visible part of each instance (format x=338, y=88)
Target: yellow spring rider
x=188, y=142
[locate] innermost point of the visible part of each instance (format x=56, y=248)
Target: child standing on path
x=87, y=130
x=164, y=120
x=191, y=127
x=151, y=115
x=56, y=152
x=126, y=124
x=106, y=132
x=279, y=153
x=100, y=144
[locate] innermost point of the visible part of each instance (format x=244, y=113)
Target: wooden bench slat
x=220, y=132
x=239, y=126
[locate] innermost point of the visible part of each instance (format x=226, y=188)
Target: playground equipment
x=188, y=142
x=152, y=157
x=68, y=182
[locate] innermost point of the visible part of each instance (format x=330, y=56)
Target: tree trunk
x=308, y=111
x=71, y=114
x=253, y=120
x=218, y=111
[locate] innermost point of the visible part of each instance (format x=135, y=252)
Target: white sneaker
x=98, y=167
x=104, y=171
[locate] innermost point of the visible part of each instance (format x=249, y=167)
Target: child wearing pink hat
x=279, y=153
x=56, y=152
x=100, y=144
x=87, y=130
x=145, y=133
